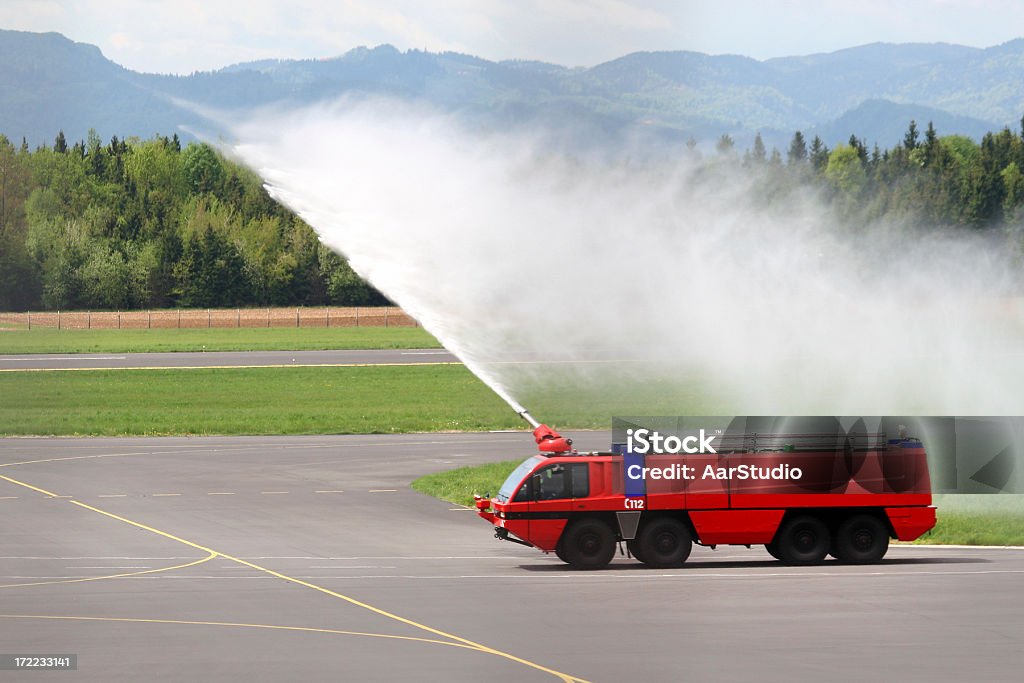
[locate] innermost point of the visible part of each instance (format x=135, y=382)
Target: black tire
x=587, y=544
x=861, y=539
x=664, y=542
x=773, y=550
x=803, y=540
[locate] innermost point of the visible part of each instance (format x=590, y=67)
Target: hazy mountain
x=48, y=82
x=885, y=123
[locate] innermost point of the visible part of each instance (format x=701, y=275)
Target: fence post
x=88, y=320
x=149, y=319
x=209, y=319
x=29, y=313
x=328, y=317
x=118, y=318
x=357, y=316
x=238, y=317
x=58, y=318
x=179, y=318
x=268, y=317
x=296, y=316
x=386, y=317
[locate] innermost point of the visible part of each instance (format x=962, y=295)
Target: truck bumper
x=910, y=523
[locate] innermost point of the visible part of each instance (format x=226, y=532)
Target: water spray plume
x=557, y=278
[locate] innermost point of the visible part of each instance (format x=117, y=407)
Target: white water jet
x=536, y=267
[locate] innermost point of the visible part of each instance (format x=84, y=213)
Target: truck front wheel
x=587, y=544
x=860, y=539
x=664, y=542
x=803, y=540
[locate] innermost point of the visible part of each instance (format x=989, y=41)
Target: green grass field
x=962, y=519
x=249, y=401
x=978, y=520
x=227, y=339
x=458, y=485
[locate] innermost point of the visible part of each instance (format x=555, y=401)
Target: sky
x=182, y=36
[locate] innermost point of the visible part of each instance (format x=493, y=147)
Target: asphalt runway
x=309, y=558
x=224, y=359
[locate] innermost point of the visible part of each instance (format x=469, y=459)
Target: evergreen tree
x=819, y=154
x=725, y=145
x=759, y=155
x=910, y=138
x=797, y=153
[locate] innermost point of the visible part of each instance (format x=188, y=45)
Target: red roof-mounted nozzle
x=550, y=441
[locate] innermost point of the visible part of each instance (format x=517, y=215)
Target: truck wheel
x=773, y=550
x=664, y=542
x=803, y=540
x=860, y=539
x=587, y=544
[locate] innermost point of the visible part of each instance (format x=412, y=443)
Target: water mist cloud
x=551, y=273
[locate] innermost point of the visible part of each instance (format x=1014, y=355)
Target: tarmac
x=310, y=558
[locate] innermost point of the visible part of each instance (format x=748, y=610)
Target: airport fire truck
x=804, y=496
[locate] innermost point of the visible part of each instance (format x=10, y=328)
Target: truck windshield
x=508, y=489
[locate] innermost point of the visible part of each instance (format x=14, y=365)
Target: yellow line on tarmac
x=566, y=678
x=308, y=629
x=29, y=486
x=113, y=576
x=231, y=367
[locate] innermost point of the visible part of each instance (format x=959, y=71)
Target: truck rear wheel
x=860, y=539
x=664, y=542
x=803, y=540
x=587, y=544
x=773, y=550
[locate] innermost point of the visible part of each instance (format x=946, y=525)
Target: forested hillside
x=149, y=224
x=140, y=224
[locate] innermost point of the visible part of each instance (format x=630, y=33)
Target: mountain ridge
x=51, y=82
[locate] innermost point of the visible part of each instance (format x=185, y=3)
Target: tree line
x=926, y=180
x=149, y=224
x=152, y=224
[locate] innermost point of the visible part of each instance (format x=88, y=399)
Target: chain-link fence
x=192, y=318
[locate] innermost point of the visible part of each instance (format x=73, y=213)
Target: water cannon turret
x=548, y=440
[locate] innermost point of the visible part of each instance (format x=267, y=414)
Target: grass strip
x=458, y=485
x=352, y=400
x=226, y=339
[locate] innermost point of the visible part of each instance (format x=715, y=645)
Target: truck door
x=554, y=488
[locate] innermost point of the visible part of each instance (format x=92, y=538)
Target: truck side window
x=524, y=493
x=580, y=480
x=552, y=483
x=562, y=481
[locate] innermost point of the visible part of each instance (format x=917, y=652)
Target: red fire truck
x=850, y=496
